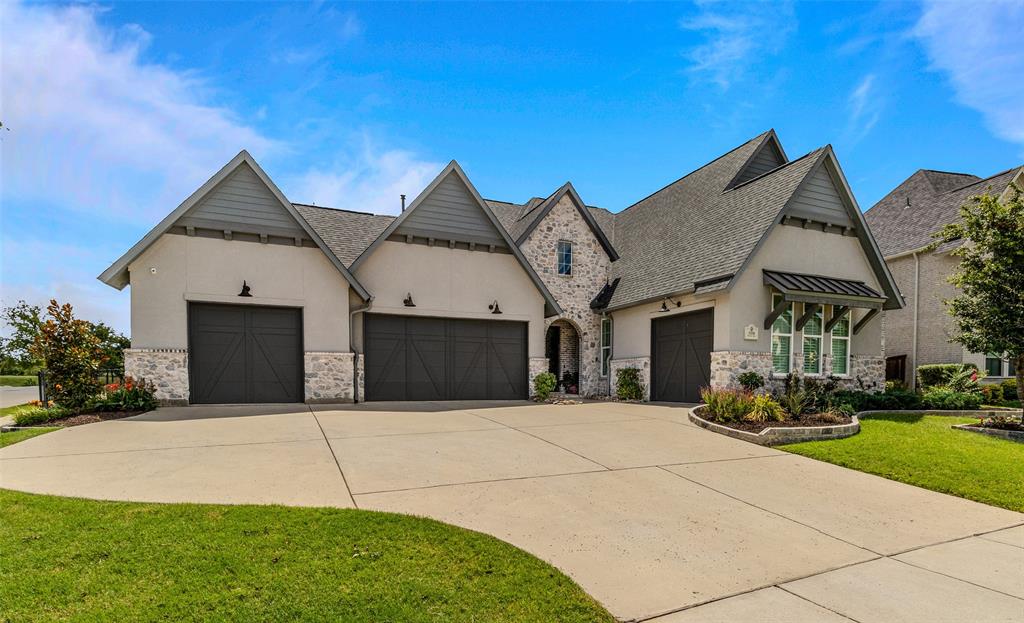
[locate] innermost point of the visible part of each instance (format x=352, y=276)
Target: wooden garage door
x=681, y=348
x=415, y=358
x=240, y=353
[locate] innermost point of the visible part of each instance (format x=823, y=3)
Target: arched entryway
x=562, y=348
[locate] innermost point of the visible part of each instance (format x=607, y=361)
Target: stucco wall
x=212, y=270
x=631, y=335
x=573, y=292
x=452, y=283
x=798, y=250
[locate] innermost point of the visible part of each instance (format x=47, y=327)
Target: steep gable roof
x=454, y=186
x=543, y=209
x=767, y=156
x=263, y=207
x=347, y=233
x=700, y=232
x=904, y=220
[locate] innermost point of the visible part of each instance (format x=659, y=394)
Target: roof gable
x=454, y=184
x=818, y=200
x=825, y=168
x=241, y=202
x=545, y=208
x=768, y=156
x=450, y=211
x=218, y=204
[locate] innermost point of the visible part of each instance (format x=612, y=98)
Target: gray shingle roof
x=694, y=230
x=934, y=199
x=346, y=233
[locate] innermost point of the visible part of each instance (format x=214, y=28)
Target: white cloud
x=736, y=35
x=94, y=127
x=865, y=105
x=365, y=179
x=979, y=48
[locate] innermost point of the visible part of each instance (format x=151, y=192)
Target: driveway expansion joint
x=335, y=457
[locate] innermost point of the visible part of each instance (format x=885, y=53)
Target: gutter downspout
x=351, y=344
x=917, y=313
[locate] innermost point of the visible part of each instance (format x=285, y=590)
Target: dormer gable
x=767, y=157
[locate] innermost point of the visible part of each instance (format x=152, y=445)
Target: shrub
x=936, y=374
x=1010, y=390
x=895, y=400
x=750, y=380
x=543, y=384
x=132, y=395
x=965, y=380
x=763, y=408
x=628, y=385
x=895, y=385
x=946, y=398
x=36, y=414
x=72, y=355
x=727, y=405
x=993, y=394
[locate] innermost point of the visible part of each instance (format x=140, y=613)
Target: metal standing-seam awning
x=817, y=290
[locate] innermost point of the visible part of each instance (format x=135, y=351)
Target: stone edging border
x=775, y=435
x=1011, y=435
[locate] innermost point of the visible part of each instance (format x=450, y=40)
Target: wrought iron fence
x=105, y=376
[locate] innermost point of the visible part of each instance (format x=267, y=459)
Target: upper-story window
x=564, y=257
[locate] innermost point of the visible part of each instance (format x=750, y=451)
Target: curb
x=777, y=435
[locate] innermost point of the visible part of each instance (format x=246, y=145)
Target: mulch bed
x=808, y=420
x=89, y=418
x=1008, y=426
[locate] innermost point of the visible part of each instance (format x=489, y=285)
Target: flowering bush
x=131, y=395
x=71, y=354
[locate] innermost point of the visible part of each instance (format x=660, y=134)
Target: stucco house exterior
x=751, y=262
x=903, y=223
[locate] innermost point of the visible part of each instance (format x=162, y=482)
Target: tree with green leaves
x=72, y=355
x=22, y=321
x=989, y=310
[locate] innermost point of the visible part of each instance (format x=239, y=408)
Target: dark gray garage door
x=413, y=358
x=244, y=354
x=681, y=347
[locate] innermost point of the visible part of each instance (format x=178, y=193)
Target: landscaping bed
x=814, y=427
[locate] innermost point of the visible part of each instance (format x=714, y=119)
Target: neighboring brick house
x=753, y=262
x=903, y=223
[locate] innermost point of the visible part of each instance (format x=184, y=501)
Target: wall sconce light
x=245, y=289
x=408, y=300
x=665, y=302
x=494, y=307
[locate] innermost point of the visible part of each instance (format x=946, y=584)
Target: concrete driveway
x=658, y=519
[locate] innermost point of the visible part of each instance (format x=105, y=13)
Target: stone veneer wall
x=329, y=376
x=641, y=363
x=590, y=267
x=361, y=377
x=866, y=371
x=538, y=365
x=165, y=368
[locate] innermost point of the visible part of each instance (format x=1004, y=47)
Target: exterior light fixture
x=665, y=302
x=494, y=307
x=408, y=299
x=245, y=289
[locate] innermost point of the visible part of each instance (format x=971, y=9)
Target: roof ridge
x=700, y=168
x=948, y=172
x=981, y=181
x=778, y=168
x=310, y=205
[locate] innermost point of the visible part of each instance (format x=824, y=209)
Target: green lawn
x=925, y=451
x=87, y=560
x=18, y=381
x=13, y=437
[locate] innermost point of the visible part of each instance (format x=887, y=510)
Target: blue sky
x=117, y=112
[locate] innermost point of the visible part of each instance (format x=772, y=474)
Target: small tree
x=72, y=355
x=989, y=311
x=22, y=321
x=112, y=345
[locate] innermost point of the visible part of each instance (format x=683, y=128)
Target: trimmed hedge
x=945, y=398
x=935, y=374
x=1010, y=390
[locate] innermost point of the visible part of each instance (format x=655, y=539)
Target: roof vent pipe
x=403, y=203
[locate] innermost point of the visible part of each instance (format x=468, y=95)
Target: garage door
x=681, y=348
x=414, y=358
x=245, y=354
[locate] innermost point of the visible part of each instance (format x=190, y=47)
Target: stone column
x=537, y=365
x=329, y=377
x=641, y=363
x=728, y=365
x=165, y=368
